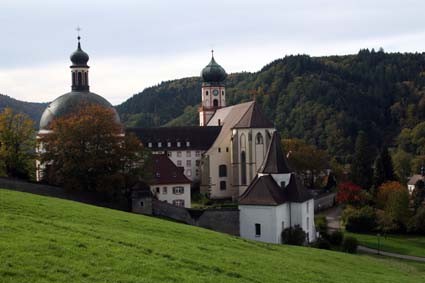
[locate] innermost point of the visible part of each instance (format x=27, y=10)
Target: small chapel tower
x=213, y=91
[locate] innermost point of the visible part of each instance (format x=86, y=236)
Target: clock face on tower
x=215, y=92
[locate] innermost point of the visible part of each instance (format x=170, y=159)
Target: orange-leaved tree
x=88, y=150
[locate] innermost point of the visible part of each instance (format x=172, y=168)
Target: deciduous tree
x=17, y=144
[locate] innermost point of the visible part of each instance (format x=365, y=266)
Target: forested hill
x=323, y=100
x=32, y=109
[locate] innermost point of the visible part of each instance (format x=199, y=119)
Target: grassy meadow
x=51, y=240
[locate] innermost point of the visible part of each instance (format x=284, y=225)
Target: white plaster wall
x=170, y=196
x=249, y=215
x=299, y=214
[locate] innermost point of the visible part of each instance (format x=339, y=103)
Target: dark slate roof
x=70, y=103
x=296, y=191
x=254, y=118
x=414, y=179
x=275, y=161
x=79, y=58
x=166, y=172
x=263, y=190
x=199, y=138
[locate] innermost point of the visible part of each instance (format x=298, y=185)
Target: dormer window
x=283, y=184
x=169, y=144
x=188, y=143
x=159, y=144
x=158, y=174
x=149, y=144
x=178, y=144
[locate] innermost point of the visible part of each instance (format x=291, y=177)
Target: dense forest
x=323, y=100
x=32, y=109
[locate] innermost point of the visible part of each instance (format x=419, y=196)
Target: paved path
x=376, y=252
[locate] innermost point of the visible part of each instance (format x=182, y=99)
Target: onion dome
x=213, y=72
x=79, y=57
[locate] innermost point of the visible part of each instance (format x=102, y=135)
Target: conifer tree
x=361, y=167
x=383, y=168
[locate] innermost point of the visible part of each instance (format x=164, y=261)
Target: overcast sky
x=136, y=44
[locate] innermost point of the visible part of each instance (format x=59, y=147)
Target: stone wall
x=225, y=220
x=164, y=209
x=324, y=202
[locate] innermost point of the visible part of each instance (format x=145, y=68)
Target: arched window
x=206, y=92
x=259, y=139
x=73, y=78
x=222, y=170
x=86, y=78
x=222, y=185
x=215, y=103
x=243, y=141
x=243, y=168
x=80, y=79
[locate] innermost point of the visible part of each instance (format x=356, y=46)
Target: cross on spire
x=78, y=29
x=212, y=53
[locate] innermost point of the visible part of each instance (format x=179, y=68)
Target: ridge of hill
x=33, y=109
x=322, y=100
x=45, y=239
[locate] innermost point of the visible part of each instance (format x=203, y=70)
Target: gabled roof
x=263, y=190
x=166, y=172
x=254, y=118
x=198, y=138
x=275, y=161
x=414, y=179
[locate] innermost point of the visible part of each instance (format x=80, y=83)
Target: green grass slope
x=49, y=240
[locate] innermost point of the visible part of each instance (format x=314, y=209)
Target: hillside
x=50, y=240
x=323, y=100
x=32, y=109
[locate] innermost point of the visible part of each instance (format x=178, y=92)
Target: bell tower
x=213, y=91
x=79, y=69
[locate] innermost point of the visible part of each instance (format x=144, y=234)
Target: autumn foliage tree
x=17, y=144
x=393, y=199
x=88, y=151
x=349, y=193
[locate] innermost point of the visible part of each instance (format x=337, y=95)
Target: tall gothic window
x=243, y=168
x=259, y=139
x=222, y=170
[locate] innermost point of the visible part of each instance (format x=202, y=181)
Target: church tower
x=213, y=91
x=79, y=69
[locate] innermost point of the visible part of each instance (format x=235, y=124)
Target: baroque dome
x=70, y=103
x=213, y=72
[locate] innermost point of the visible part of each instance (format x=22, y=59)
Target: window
x=169, y=144
x=227, y=149
x=170, y=154
x=157, y=174
x=219, y=149
x=142, y=204
x=197, y=153
x=179, y=154
x=189, y=172
x=157, y=190
x=215, y=103
x=188, y=162
x=307, y=207
x=222, y=185
x=206, y=92
x=219, y=122
x=222, y=170
x=222, y=92
x=243, y=168
x=164, y=190
x=178, y=190
x=198, y=162
x=257, y=230
x=188, y=143
x=243, y=141
x=179, y=144
x=188, y=154
x=259, y=139
x=283, y=225
x=178, y=202
x=149, y=144
x=179, y=163
x=283, y=184
x=159, y=144
x=308, y=223
x=197, y=172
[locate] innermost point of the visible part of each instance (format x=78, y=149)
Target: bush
x=349, y=245
x=361, y=220
x=322, y=244
x=336, y=238
x=293, y=236
x=321, y=225
x=417, y=223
